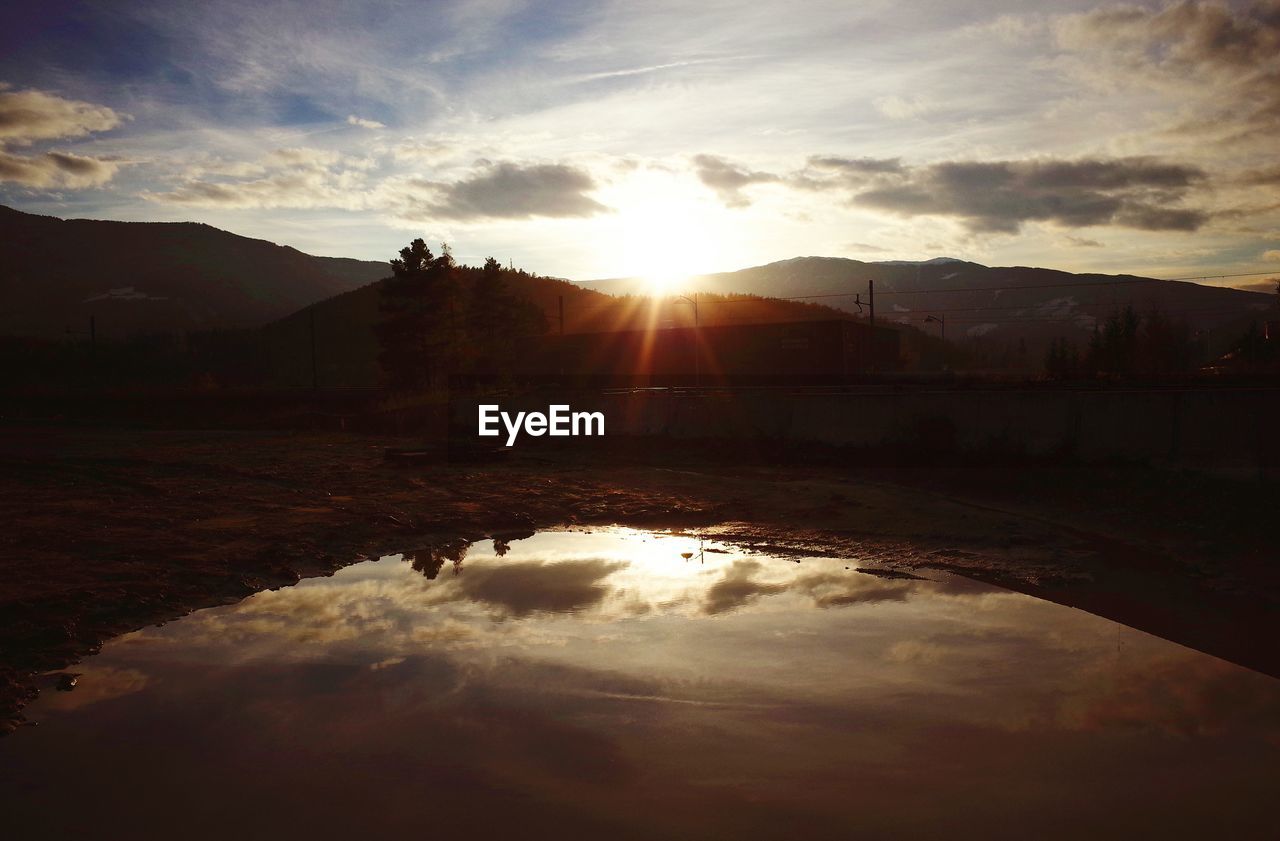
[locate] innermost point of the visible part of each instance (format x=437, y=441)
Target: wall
x=1216, y=428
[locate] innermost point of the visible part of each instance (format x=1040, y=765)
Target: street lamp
x=941, y=321
x=697, y=349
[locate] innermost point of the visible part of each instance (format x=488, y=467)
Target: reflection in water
x=646, y=686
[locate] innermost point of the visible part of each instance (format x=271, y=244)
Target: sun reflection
x=591, y=670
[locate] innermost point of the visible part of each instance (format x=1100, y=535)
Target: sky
x=657, y=139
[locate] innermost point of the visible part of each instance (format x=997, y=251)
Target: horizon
x=1235, y=282
x=604, y=141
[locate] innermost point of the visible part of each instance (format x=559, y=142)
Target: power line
x=1215, y=276
x=1073, y=285
x=926, y=310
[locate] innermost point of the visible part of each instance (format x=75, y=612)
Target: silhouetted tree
x=419, y=330
x=429, y=329
x=1113, y=347
x=1128, y=344
x=1165, y=346
x=1062, y=361
x=497, y=319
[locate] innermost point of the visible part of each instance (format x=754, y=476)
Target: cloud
x=297, y=177
x=30, y=115
x=828, y=172
x=1271, y=256
x=352, y=119
x=296, y=189
x=56, y=170
x=302, y=156
x=1259, y=177
x=1227, y=59
x=521, y=588
x=728, y=179
x=737, y=588
x=999, y=196
x=831, y=590
x=508, y=190
x=303, y=177
x=424, y=151
x=904, y=108
x=866, y=248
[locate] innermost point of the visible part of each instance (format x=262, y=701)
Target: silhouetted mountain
x=347, y=348
x=976, y=301
x=154, y=277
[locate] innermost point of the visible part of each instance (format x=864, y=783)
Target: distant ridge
x=1010, y=304
x=154, y=276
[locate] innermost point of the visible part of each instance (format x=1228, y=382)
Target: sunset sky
x=590, y=140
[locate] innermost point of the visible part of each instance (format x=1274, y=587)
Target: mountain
x=976, y=301
x=134, y=277
x=347, y=347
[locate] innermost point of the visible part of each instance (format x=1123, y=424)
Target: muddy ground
x=106, y=531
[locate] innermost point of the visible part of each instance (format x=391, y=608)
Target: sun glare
x=668, y=231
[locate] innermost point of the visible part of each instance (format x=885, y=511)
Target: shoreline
x=121, y=528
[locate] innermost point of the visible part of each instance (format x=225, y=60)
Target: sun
x=668, y=231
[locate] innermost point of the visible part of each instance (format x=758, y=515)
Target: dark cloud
x=512, y=191
x=519, y=589
x=56, y=170
x=737, y=588
x=1189, y=33
x=1199, y=47
x=728, y=179
x=832, y=590
x=999, y=196
x=829, y=172
x=856, y=166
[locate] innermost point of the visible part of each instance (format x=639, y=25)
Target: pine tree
x=420, y=328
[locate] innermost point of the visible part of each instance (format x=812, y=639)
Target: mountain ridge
x=1017, y=303
x=55, y=274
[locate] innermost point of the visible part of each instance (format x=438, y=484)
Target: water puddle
x=642, y=685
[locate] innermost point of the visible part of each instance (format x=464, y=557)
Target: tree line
x=1125, y=344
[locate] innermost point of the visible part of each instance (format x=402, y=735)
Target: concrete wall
x=1217, y=428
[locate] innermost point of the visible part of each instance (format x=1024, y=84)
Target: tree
x=429, y=330
x=1113, y=347
x=1062, y=361
x=498, y=319
x=419, y=328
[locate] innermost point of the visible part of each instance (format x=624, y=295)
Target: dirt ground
x=106, y=531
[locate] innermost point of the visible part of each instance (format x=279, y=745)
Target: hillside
x=976, y=301
x=137, y=277
x=347, y=349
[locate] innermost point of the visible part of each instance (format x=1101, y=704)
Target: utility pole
x=561, y=315
x=871, y=302
x=315, y=376
x=697, y=343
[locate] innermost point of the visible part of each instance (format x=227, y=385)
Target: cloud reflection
x=585, y=673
